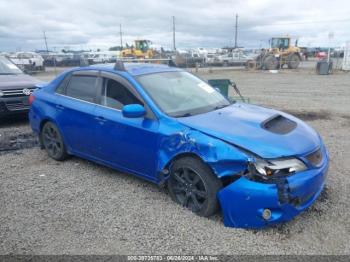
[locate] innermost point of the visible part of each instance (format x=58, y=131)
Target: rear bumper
x=14, y=105
x=244, y=201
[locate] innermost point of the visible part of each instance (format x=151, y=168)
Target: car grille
x=18, y=92
x=315, y=158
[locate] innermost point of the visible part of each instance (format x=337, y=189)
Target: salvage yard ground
x=78, y=207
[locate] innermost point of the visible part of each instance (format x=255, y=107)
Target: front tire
x=53, y=142
x=270, y=62
x=193, y=185
x=293, y=61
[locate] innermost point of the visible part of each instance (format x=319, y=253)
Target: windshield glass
x=7, y=67
x=280, y=43
x=181, y=94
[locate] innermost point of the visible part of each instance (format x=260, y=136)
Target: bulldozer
x=280, y=53
x=141, y=50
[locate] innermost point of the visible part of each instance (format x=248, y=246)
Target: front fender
x=224, y=159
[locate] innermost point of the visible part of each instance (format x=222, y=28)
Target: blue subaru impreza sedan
x=160, y=123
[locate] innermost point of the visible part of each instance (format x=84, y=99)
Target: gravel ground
x=78, y=207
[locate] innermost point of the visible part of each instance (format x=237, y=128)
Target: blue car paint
x=147, y=147
x=239, y=124
x=244, y=200
x=134, y=111
x=224, y=160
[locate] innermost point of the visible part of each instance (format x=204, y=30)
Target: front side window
x=181, y=93
x=82, y=87
x=116, y=95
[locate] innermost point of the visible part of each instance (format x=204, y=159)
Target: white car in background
x=211, y=59
x=236, y=57
x=99, y=58
x=28, y=61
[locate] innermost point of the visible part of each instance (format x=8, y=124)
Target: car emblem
x=26, y=91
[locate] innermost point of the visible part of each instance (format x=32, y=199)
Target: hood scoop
x=279, y=124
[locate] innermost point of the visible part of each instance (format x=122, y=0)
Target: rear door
x=75, y=106
x=129, y=143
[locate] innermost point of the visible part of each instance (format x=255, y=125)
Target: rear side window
x=82, y=87
x=61, y=87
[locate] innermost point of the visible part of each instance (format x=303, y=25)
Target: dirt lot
x=78, y=207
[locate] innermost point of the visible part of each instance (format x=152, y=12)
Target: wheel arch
x=295, y=53
x=298, y=54
x=224, y=160
x=184, y=155
x=41, y=125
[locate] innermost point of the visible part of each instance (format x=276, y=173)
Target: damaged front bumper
x=243, y=202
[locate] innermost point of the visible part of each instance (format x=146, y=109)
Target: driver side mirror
x=133, y=111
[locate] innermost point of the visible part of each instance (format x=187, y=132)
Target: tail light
x=31, y=99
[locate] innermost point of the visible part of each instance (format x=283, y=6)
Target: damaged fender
x=224, y=159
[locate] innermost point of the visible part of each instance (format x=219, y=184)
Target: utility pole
x=236, y=27
x=121, y=36
x=174, y=47
x=47, y=52
x=47, y=49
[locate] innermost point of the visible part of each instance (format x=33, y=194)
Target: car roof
x=136, y=69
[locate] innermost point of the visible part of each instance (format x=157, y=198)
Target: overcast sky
x=93, y=24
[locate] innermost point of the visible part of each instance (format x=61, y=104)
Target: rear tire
x=193, y=185
x=251, y=64
x=53, y=142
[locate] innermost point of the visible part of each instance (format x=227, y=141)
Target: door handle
x=100, y=119
x=59, y=107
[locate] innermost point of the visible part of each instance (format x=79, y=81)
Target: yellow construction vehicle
x=141, y=50
x=279, y=54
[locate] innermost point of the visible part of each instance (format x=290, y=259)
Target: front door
x=127, y=143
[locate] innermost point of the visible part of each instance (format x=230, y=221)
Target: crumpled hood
x=241, y=124
x=17, y=81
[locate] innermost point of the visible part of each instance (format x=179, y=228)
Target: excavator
x=280, y=53
x=141, y=50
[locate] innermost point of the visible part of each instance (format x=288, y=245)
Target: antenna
x=119, y=65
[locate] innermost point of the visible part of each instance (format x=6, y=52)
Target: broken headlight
x=276, y=167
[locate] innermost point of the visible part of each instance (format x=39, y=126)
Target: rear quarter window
x=82, y=87
x=62, y=86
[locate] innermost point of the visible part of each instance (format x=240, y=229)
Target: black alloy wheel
x=193, y=185
x=53, y=142
x=189, y=189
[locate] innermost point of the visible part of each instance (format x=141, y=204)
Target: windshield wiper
x=183, y=115
x=220, y=106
